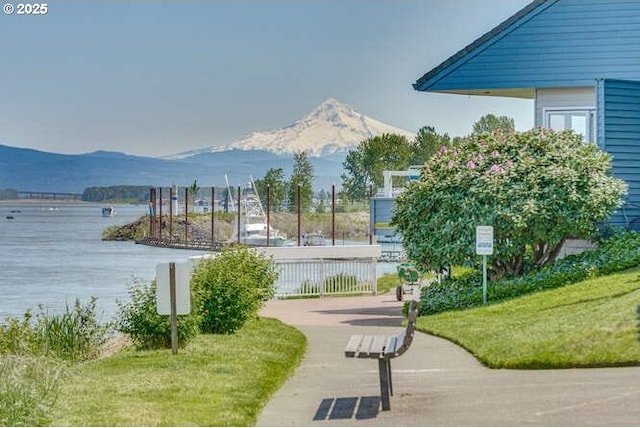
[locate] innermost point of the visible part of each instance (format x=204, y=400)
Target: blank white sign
x=163, y=291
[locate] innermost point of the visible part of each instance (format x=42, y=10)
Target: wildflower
x=496, y=168
x=443, y=149
x=471, y=165
x=495, y=153
x=480, y=158
x=450, y=163
x=508, y=164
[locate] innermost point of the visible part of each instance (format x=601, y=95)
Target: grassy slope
x=217, y=380
x=588, y=324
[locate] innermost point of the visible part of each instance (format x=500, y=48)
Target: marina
x=51, y=257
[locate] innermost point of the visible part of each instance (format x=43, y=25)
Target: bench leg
x=384, y=369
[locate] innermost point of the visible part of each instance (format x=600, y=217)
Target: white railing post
x=321, y=276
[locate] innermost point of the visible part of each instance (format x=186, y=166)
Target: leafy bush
x=618, y=253
x=29, y=387
x=139, y=319
x=19, y=337
x=75, y=335
x=231, y=287
x=536, y=188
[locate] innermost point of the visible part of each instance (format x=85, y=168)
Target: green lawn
x=217, y=380
x=588, y=324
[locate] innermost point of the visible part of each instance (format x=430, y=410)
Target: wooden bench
x=384, y=348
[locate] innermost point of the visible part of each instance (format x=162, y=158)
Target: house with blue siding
x=579, y=60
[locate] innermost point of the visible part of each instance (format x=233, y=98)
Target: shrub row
x=620, y=252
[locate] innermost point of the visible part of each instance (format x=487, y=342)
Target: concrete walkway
x=435, y=382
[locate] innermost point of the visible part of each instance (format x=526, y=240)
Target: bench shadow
x=384, y=316
x=348, y=408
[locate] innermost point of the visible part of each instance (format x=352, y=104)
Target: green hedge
x=617, y=253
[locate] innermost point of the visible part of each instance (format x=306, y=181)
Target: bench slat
x=353, y=345
x=377, y=346
x=390, y=347
x=363, y=352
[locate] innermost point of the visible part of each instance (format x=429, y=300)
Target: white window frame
x=590, y=116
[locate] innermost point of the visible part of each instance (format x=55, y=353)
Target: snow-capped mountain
x=330, y=127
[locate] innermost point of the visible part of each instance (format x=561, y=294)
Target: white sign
x=163, y=290
x=484, y=240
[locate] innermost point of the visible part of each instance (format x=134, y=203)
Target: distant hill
x=27, y=169
x=327, y=133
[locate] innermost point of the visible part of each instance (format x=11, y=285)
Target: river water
x=51, y=254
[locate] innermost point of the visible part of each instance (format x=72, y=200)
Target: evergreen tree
x=302, y=175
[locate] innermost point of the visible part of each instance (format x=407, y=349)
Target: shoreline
x=42, y=201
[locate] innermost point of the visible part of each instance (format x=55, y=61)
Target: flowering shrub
x=535, y=188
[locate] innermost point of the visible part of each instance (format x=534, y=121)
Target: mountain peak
x=331, y=126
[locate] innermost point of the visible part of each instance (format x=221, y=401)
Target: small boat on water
x=315, y=239
x=108, y=211
x=10, y=217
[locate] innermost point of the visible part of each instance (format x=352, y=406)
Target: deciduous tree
x=364, y=164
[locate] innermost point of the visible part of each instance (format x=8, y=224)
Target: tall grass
x=33, y=354
x=29, y=386
x=75, y=335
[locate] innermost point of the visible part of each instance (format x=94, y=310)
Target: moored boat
x=253, y=221
x=108, y=211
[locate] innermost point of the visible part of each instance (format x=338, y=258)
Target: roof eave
x=524, y=93
x=428, y=81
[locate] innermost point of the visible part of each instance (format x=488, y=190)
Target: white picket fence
x=327, y=270
x=323, y=271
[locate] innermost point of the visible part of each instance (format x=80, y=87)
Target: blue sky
x=158, y=78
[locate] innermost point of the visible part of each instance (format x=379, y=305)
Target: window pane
x=556, y=121
x=579, y=124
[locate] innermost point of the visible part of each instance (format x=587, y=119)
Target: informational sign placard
x=484, y=240
x=163, y=291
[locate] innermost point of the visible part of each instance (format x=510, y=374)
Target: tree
x=274, y=178
x=302, y=175
x=490, y=123
x=427, y=143
x=536, y=188
x=364, y=164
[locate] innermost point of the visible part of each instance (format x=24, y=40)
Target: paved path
x=436, y=383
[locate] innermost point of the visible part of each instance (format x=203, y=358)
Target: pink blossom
x=495, y=154
x=443, y=149
x=471, y=165
x=496, y=168
x=450, y=164
x=508, y=164
x=480, y=158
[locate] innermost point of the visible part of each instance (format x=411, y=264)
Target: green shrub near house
x=622, y=251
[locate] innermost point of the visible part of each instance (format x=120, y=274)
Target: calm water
x=50, y=257
x=53, y=256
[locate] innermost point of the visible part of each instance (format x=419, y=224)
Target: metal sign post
x=484, y=247
x=174, y=311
